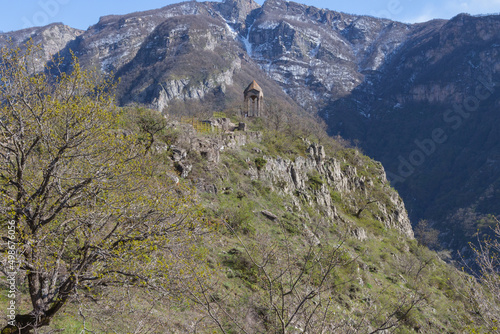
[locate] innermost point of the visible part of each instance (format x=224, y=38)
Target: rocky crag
x=384, y=83
x=305, y=180
x=301, y=197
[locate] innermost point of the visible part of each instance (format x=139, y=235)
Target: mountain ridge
x=377, y=81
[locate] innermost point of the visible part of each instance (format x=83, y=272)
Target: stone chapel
x=254, y=100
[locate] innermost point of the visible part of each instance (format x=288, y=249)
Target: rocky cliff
x=431, y=116
x=285, y=207
x=52, y=39
x=384, y=83
x=339, y=187
x=336, y=175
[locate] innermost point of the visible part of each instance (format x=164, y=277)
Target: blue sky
x=82, y=14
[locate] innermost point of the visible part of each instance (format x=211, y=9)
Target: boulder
x=269, y=215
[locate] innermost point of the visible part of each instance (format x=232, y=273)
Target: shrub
x=260, y=163
x=336, y=197
x=315, y=181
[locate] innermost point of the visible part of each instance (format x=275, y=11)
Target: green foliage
x=101, y=211
x=291, y=223
x=239, y=262
x=240, y=219
x=336, y=196
x=427, y=235
x=315, y=181
x=260, y=188
x=150, y=126
x=240, y=194
x=260, y=163
x=278, y=143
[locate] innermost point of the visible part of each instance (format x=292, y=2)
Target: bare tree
x=87, y=208
x=427, y=235
x=296, y=285
x=297, y=291
x=278, y=115
x=484, y=288
x=150, y=125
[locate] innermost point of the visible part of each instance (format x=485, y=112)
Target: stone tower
x=254, y=100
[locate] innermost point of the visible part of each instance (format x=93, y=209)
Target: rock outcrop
x=237, y=11
x=314, y=177
x=52, y=39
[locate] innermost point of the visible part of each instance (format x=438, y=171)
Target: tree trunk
x=26, y=323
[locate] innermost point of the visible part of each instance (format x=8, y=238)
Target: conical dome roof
x=253, y=86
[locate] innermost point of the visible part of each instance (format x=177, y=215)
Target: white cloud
x=447, y=9
x=423, y=17
x=472, y=6
x=427, y=13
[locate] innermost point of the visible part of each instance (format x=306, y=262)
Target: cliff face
x=315, y=54
x=236, y=12
x=443, y=81
x=339, y=188
x=52, y=39
x=115, y=40
x=296, y=178
x=170, y=52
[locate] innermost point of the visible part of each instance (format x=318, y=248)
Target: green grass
x=374, y=274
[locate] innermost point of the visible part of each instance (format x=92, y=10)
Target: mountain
x=431, y=116
x=182, y=52
x=421, y=98
x=52, y=39
x=293, y=231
